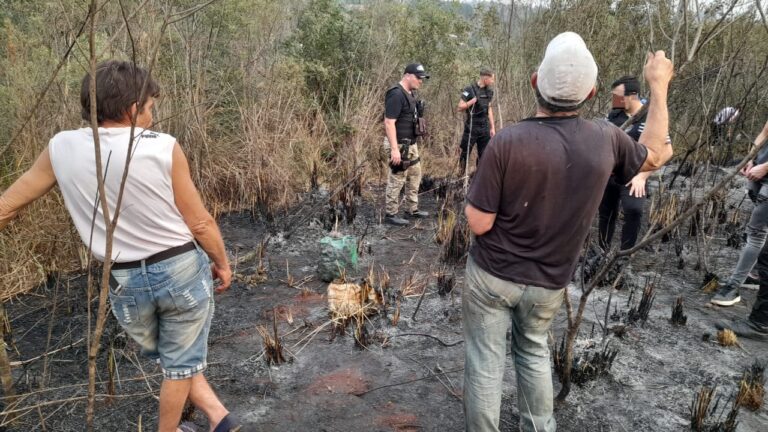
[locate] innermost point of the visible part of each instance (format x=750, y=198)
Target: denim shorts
x=166, y=307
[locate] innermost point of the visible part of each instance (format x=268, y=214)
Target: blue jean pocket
x=124, y=309
x=192, y=295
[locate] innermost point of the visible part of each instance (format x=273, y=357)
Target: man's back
x=544, y=178
x=149, y=220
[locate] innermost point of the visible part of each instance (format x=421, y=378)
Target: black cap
x=416, y=69
x=631, y=84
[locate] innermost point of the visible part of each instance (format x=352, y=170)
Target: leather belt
x=156, y=258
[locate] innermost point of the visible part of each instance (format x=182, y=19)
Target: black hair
x=118, y=84
x=630, y=82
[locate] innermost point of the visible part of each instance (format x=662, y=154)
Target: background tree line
x=266, y=95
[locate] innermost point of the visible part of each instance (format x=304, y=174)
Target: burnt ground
x=331, y=384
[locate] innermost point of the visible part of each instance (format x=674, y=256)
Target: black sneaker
x=395, y=220
x=418, y=214
x=745, y=328
x=752, y=281
x=726, y=296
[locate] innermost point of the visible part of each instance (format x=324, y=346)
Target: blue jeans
x=166, y=307
x=489, y=307
x=757, y=230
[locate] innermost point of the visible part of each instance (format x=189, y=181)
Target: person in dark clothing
x=479, y=125
x=755, y=250
x=631, y=195
x=618, y=114
x=530, y=206
x=400, y=149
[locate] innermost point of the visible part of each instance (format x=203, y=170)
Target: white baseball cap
x=568, y=72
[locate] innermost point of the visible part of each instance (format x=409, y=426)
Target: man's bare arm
x=33, y=184
x=391, y=132
x=198, y=219
x=465, y=105
x=479, y=222
x=492, y=121
x=658, y=73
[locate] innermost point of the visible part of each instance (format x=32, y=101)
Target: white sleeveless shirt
x=149, y=221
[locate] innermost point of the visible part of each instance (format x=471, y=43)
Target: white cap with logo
x=568, y=72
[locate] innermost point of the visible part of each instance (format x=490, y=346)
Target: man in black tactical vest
x=479, y=125
x=403, y=124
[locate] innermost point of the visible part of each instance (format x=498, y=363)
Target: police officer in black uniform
x=479, y=125
x=403, y=115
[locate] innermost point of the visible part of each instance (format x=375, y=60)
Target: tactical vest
x=479, y=111
x=407, y=122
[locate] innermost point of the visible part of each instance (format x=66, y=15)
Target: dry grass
x=752, y=387
x=711, y=283
x=663, y=210
x=36, y=244
x=708, y=414
x=727, y=338
x=273, y=346
x=446, y=220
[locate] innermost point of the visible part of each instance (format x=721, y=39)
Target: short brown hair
x=118, y=84
x=486, y=72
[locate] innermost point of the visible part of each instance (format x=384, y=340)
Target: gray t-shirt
x=544, y=178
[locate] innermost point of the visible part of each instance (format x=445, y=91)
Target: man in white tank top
x=162, y=283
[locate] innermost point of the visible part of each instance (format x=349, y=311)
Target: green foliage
x=327, y=44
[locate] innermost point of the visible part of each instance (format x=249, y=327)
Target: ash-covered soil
x=409, y=376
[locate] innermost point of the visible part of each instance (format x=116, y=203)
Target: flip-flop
x=187, y=427
x=228, y=424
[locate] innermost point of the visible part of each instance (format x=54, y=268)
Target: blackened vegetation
x=342, y=207
x=441, y=187
x=273, y=346
x=314, y=183
x=706, y=417
x=427, y=184
x=678, y=313
x=679, y=247
x=373, y=300
x=613, y=277
x=445, y=282
x=752, y=387
x=587, y=366
x=457, y=245
x=452, y=231
x=362, y=336
x=710, y=282
x=734, y=235
x=640, y=313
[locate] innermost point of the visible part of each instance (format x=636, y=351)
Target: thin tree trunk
x=5, y=366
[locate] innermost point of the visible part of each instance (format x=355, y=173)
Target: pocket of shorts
x=124, y=309
x=192, y=294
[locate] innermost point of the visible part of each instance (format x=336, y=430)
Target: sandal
x=228, y=424
x=187, y=427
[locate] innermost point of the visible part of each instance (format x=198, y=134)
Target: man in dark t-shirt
x=530, y=206
x=479, y=125
x=399, y=150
